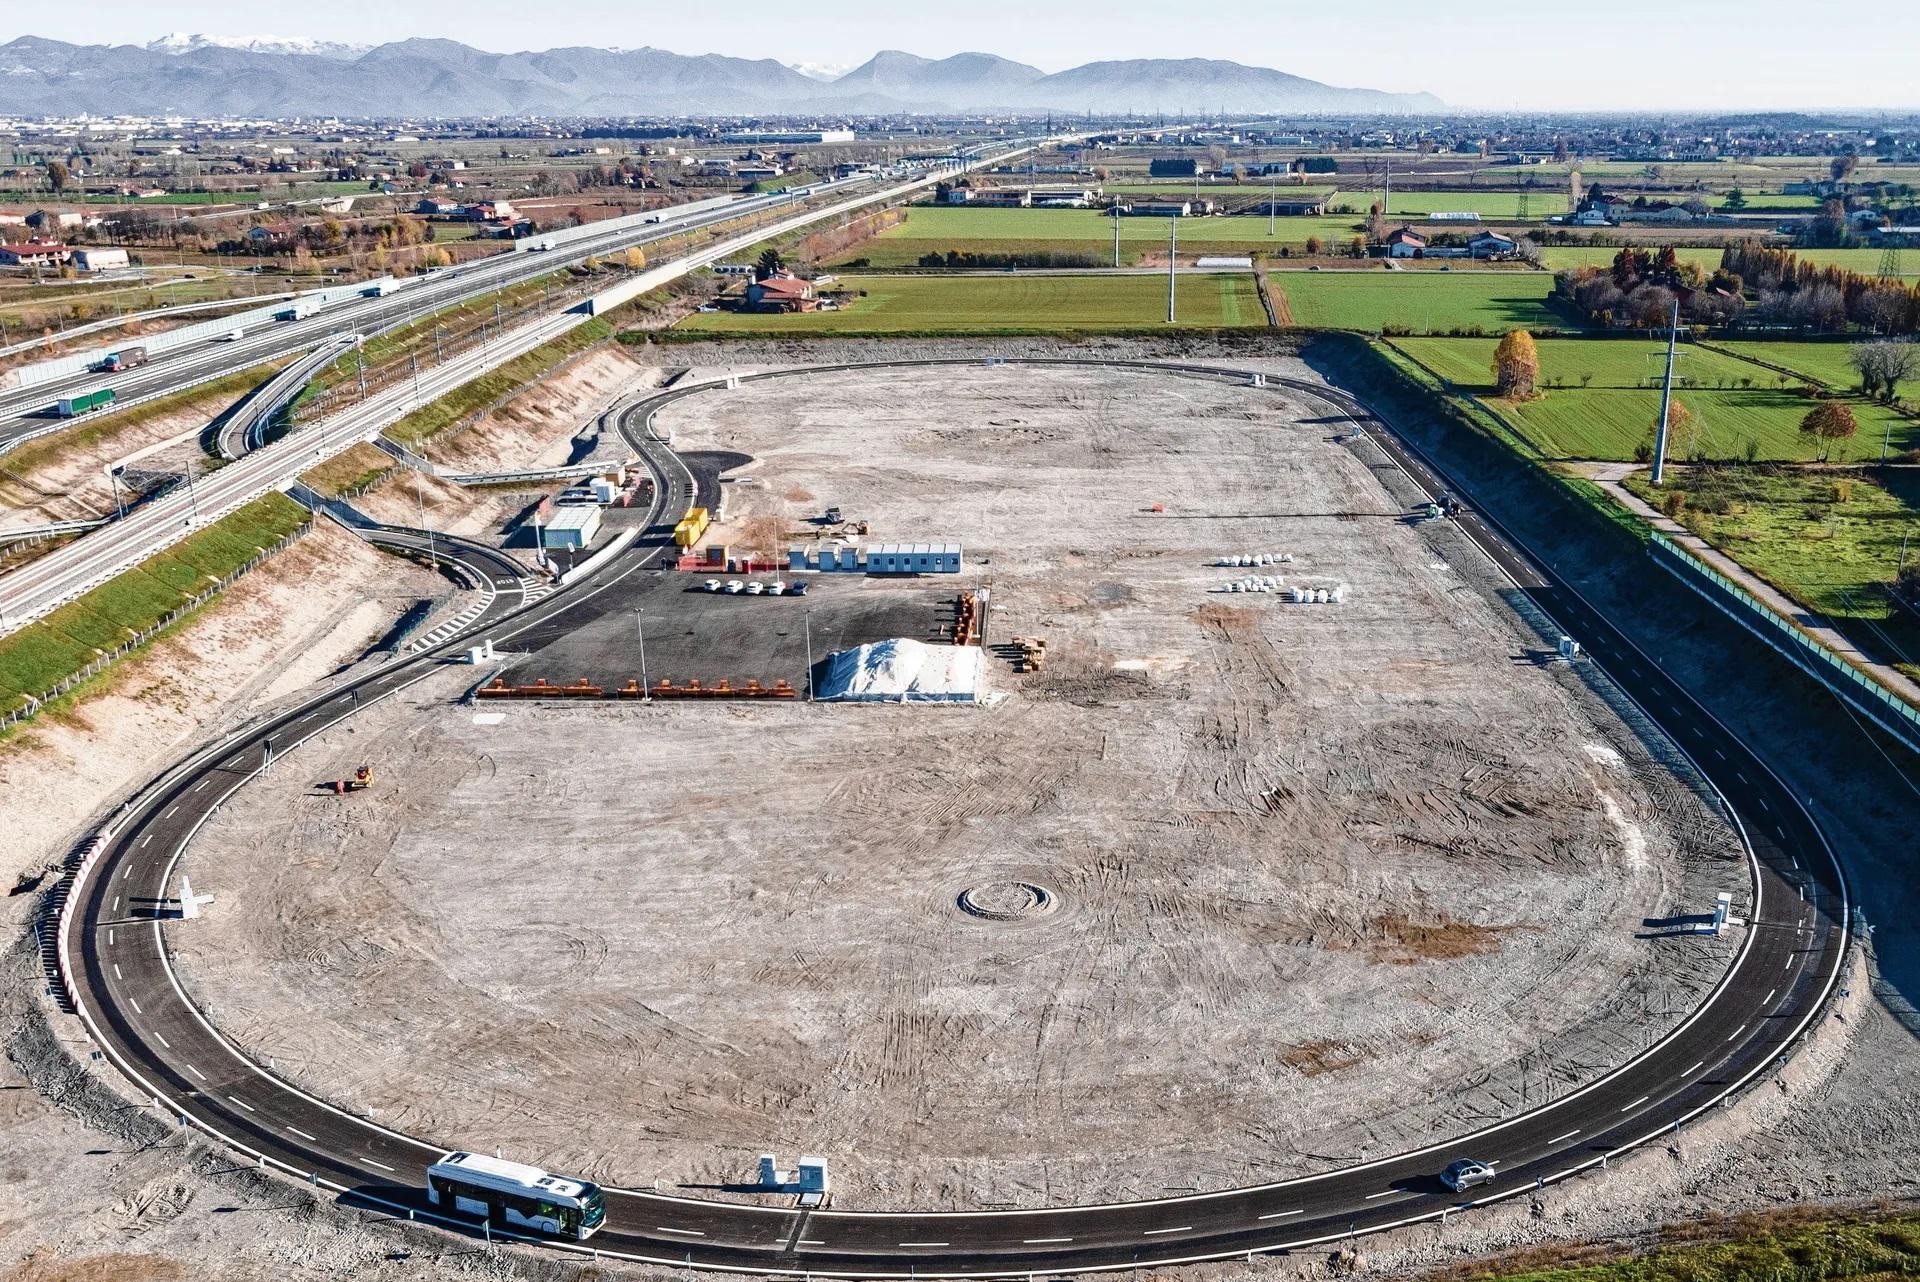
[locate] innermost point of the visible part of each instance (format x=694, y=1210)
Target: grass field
x=47, y=651
x=939, y=227
x=1562, y=257
x=1822, y=362
x=1010, y=305
x=1426, y=302
x=1829, y=541
x=1611, y=415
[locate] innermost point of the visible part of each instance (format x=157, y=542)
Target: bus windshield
x=593, y=1207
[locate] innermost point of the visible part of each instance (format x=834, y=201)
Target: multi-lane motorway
x=1788, y=958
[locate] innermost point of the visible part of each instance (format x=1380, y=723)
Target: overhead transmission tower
x=1890, y=260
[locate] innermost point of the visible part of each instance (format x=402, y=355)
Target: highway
x=26, y=411
x=113, y=957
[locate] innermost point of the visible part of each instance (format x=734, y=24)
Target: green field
x=1826, y=540
x=1009, y=304
x=1612, y=414
x=1562, y=257
x=1821, y=362
x=1864, y=261
x=938, y=227
x=49, y=650
x=1425, y=302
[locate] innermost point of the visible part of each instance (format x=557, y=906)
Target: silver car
x=1465, y=1174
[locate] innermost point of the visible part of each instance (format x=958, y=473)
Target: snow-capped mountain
x=183, y=42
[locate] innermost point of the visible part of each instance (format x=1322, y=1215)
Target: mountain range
x=196, y=75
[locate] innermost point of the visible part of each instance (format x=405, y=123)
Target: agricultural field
x=1822, y=362
x=1827, y=539
x=1864, y=261
x=1010, y=304
x=1426, y=302
x=941, y=227
x=1612, y=414
x=1562, y=257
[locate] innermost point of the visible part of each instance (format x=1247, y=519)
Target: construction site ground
x=1325, y=880
x=96, y=1188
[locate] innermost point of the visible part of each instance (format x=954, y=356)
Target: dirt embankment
x=317, y=605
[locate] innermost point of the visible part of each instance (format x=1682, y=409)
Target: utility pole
x=414, y=362
x=192, y=502
x=1666, y=399
x=1273, y=203
x=809, y=628
x=1115, y=211
x=1173, y=256
x=419, y=496
x=640, y=635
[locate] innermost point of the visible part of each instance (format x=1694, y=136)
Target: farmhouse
x=781, y=292
x=34, y=253
x=1491, y=244
x=1404, y=242
x=1298, y=208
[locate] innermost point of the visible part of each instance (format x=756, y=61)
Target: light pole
x=419, y=496
x=1666, y=399
x=808, y=623
x=640, y=636
x=192, y=502
x=1273, y=204
x=1173, y=256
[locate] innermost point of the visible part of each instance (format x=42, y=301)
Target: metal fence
x=106, y=658
x=1887, y=709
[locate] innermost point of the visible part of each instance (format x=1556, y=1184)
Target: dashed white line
x=1636, y=1104
x=811, y=1241
x=921, y=1244
x=1696, y=1064
x=1768, y=999
x=203, y=783
x=1036, y=1241
x=294, y=1130
x=196, y=1072
x=382, y=1165
x=687, y=1232
x=116, y=904
x=136, y=1006
x=1281, y=1215
x=116, y=970
x=1719, y=754
x=1569, y=1135
x=109, y=934
x=162, y=1039
x=1184, y=1228
x=144, y=840
x=126, y=872
x=233, y=1099
x=1736, y=1032
x=170, y=809
x=1381, y=1193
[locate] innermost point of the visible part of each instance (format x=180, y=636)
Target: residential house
x=1405, y=242
x=34, y=253
x=781, y=292
x=1491, y=244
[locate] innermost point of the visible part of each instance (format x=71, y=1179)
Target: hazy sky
x=1671, y=54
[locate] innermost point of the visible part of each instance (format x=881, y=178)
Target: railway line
x=114, y=965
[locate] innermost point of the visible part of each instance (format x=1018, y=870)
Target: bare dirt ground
x=92, y=1200
x=1327, y=878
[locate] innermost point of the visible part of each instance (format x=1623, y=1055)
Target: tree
x=768, y=264
x=1827, y=422
x=1883, y=365
x=1679, y=423
x=57, y=175
x=1516, y=365
x=1736, y=199
x=1843, y=166
x=1313, y=245
x=636, y=259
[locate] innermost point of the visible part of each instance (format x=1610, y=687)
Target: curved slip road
x=1789, y=956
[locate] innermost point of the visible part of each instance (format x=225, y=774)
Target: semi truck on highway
x=125, y=358
x=300, y=309
x=84, y=403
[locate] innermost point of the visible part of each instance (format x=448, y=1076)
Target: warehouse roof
x=573, y=518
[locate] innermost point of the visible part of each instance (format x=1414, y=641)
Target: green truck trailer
x=84, y=403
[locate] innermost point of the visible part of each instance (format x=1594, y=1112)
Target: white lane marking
x=116, y=904
x=109, y=934
x=1184, y=1228
x=811, y=1241
x=1786, y=963
x=294, y=1130
x=382, y=1165
x=1742, y=778
x=136, y=1006
x=1736, y=1032
x=922, y=1244
x=144, y=840
x=1281, y=1215
x=1763, y=803
x=1768, y=999
x=1035, y=1241
x=242, y=1103
x=196, y=1072
x=162, y=1039
x=1719, y=754
x=170, y=810
x=203, y=783
x=1782, y=831
x=126, y=872
x=1636, y=1104
x=1696, y=1064
x=116, y=970
x=1569, y=1135
x=688, y=1232
x=1381, y=1193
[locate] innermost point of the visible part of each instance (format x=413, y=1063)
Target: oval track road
x=1787, y=962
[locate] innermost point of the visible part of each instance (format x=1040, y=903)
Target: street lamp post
x=640, y=636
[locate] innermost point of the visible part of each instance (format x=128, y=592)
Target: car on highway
x=231, y=336
x=1465, y=1174
x=735, y=587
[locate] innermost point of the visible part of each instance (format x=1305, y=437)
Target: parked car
x=756, y=588
x=713, y=585
x=1465, y=1174
x=798, y=587
x=776, y=588
x=735, y=587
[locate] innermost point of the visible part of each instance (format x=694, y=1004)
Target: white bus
x=515, y=1195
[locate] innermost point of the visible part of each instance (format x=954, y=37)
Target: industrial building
x=571, y=527
x=913, y=558
x=100, y=259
